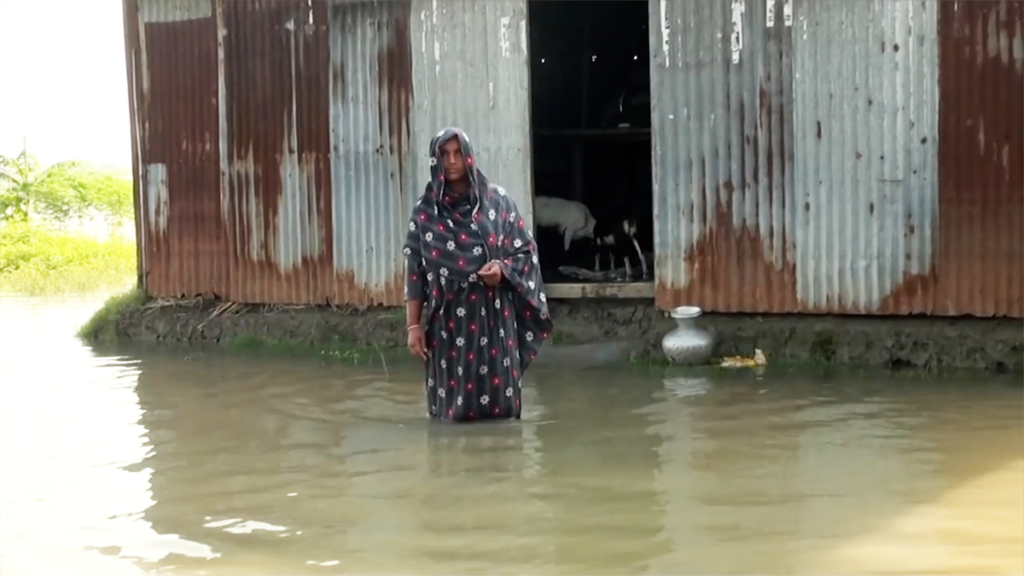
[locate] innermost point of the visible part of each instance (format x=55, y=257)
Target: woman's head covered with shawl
x=452, y=160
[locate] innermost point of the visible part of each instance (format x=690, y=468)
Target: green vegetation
x=102, y=327
x=42, y=211
x=565, y=338
x=36, y=259
x=337, y=349
x=63, y=192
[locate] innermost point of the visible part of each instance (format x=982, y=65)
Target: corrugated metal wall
x=809, y=155
x=980, y=264
x=176, y=132
x=276, y=140
x=723, y=154
x=471, y=70
x=865, y=101
x=372, y=173
x=274, y=194
x=797, y=146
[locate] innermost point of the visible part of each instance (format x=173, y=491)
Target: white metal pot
x=687, y=343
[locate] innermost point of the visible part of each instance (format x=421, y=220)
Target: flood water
x=173, y=462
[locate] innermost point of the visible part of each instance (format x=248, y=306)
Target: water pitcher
x=687, y=343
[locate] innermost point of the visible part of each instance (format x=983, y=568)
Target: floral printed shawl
x=451, y=237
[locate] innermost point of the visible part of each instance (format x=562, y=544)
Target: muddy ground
x=635, y=327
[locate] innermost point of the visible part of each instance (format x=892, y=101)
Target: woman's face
x=452, y=160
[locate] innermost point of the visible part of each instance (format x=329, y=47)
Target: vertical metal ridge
x=800, y=171
x=814, y=168
x=370, y=70
x=980, y=255
x=470, y=70
x=721, y=155
x=866, y=142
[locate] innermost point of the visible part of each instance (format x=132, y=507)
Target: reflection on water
x=214, y=464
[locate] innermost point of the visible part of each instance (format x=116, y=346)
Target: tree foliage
x=62, y=192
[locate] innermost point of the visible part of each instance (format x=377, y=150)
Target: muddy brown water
x=213, y=463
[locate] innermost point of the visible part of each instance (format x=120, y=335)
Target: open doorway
x=591, y=127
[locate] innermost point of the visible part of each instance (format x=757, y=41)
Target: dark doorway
x=591, y=118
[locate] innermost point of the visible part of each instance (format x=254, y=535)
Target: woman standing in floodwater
x=472, y=268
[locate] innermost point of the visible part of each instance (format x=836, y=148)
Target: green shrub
x=35, y=260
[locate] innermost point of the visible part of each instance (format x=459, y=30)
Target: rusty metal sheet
x=183, y=248
x=471, y=70
x=276, y=146
x=152, y=11
x=272, y=138
x=980, y=262
x=132, y=48
x=276, y=111
x=827, y=156
x=865, y=101
x=373, y=179
x=722, y=143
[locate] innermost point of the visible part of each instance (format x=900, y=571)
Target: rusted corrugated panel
x=471, y=70
x=797, y=154
x=179, y=162
x=371, y=100
x=244, y=110
x=980, y=265
x=723, y=154
x=865, y=101
x=132, y=49
x=276, y=193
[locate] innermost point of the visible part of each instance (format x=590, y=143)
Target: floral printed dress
x=480, y=339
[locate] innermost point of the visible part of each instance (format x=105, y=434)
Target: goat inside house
x=586, y=243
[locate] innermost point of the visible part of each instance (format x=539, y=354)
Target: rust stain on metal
x=350, y=291
x=394, y=64
x=267, y=284
x=312, y=129
x=130, y=11
x=180, y=133
x=258, y=86
x=234, y=177
x=278, y=120
x=764, y=126
x=913, y=294
x=980, y=259
x=232, y=117
x=733, y=256
x=723, y=144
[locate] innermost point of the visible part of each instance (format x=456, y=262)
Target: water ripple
x=125, y=462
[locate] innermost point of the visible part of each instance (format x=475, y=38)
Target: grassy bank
x=36, y=260
x=102, y=327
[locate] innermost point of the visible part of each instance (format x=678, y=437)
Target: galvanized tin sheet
x=179, y=162
x=865, y=101
x=275, y=196
x=980, y=264
x=373, y=179
x=722, y=146
x=279, y=149
x=797, y=150
x=152, y=11
x=243, y=112
x=470, y=69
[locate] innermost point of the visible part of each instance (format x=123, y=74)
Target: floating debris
x=759, y=359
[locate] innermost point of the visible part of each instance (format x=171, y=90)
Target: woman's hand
x=417, y=342
x=490, y=274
